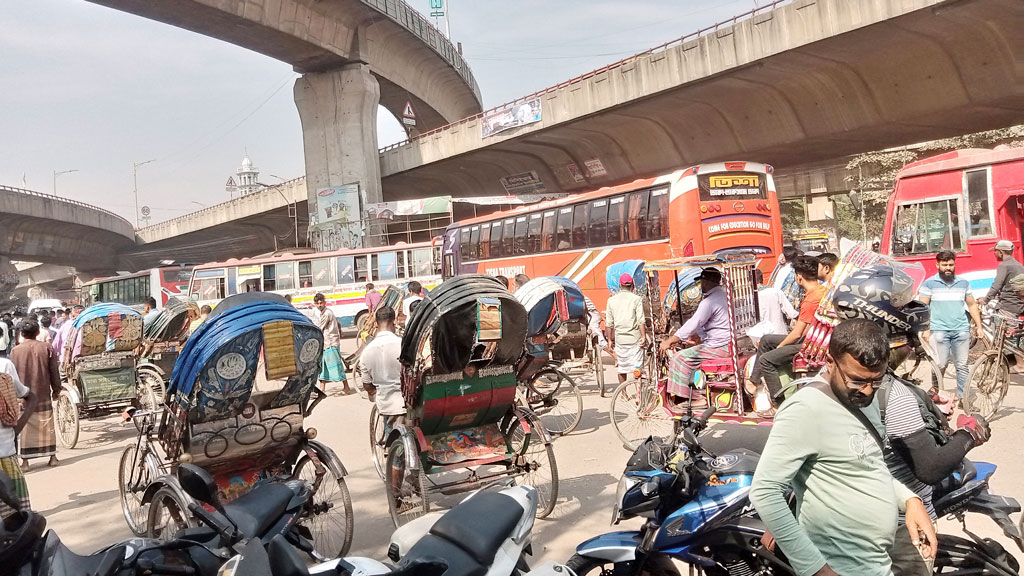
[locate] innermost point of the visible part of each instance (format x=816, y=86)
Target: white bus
x=341, y=276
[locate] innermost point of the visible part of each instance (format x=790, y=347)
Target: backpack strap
x=827, y=390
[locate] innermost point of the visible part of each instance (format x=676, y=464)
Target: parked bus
x=808, y=239
x=962, y=201
x=341, y=276
x=705, y=209
x=133, y=289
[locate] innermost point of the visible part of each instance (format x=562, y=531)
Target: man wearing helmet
x=825, y=445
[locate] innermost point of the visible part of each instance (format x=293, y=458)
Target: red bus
x=962, y=201
x=133, y=289
x=705, y=209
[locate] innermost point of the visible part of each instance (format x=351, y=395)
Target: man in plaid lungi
x=11, y=389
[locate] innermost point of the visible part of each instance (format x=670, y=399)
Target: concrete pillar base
x=338, y=111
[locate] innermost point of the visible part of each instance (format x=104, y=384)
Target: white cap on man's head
x=1003, y=246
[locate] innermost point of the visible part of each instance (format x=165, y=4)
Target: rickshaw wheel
x=556, y=399
x=406, y=489
x=153, y=381
x=378, y=436
x=329, y=512
x=987, y=384
x=167, y=516
x=637, y=412
x=145, y=396
x=598, y=364
x=67, y=420
x=534, y=465
x=135, y=512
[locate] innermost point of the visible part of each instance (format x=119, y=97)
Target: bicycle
x=553, y=396
x=641, y=407
x=989, y=377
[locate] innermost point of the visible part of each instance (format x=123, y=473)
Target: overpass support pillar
x=338, y=111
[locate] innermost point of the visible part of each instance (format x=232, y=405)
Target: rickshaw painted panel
x=466, y=444
x=308, y=344
x=279, y=349
x=457, y=402
x=253, y=439
x=107, y=385
x=235, y=484
x=225, y=381
x=107, y=328
x=488, y=319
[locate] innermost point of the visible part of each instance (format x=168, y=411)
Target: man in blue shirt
x=948, y=295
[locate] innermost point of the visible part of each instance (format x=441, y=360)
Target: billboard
x=507, y=118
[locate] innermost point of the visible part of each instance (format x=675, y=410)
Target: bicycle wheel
x=556, y=399
x=637, y=412
x=133, y=479
x=534, y=464
x=922, y=370
x=329, y=514
x=407, y=491
x=66, y=413
x=167, y=516
x=378, y=435
x=986, y=387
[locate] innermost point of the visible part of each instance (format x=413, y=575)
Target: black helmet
x=882, y=294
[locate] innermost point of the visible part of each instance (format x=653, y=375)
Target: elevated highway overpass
x=789, y=84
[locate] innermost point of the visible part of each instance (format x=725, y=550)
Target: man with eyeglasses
x=826, y=446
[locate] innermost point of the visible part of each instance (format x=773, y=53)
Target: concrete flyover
x=788, y=84
x=53, y=230
x=353, y=54
x=243, y=226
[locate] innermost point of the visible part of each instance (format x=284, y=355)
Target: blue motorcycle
x=697, y=512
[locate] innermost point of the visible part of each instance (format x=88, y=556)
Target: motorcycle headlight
x=626, y=483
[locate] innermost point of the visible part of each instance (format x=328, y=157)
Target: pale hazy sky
x=93, y=89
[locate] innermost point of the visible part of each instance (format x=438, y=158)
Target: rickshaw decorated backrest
x=466, y=399
x=215, y=372
x=635, y=268
x=686, y=288
x=551, y=302
x=106, y=327
x=173, y=320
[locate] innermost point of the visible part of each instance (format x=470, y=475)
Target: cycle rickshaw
x=99, y=373
x=556, y=329
x=162, y=340
x=239, y=393
x=641, y=406
x=462, y=427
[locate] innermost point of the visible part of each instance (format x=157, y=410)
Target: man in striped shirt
x=948, y=296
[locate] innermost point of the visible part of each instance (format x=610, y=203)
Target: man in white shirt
x=415, y=295
x=776, y=311
x=381, y=370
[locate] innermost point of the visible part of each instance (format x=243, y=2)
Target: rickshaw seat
x=480, y=524
x=256, y=512
x=718, y=366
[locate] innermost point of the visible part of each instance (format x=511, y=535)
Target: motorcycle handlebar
x=703, y=419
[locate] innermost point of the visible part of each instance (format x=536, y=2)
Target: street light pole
x=135, y=186
x=55, y=174
x=293, y=206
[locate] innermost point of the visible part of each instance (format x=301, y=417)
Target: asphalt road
x=80, y=497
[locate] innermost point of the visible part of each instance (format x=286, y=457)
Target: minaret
x=248, y=177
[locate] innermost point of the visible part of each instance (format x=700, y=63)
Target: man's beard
x=947, y=275
x=858, y=400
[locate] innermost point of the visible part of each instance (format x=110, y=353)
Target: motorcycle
x=269, y=510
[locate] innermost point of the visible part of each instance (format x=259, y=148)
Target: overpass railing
x=416, y=23
x=66, y=201
x=591, y=74
x=215, y=207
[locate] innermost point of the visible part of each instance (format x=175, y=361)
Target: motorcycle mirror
x=8, y=495
x=199, y=484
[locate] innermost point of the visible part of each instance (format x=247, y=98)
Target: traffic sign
x=408, y=115
x=145, y=211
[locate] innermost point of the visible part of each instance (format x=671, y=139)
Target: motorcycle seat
x=480, y=524
x=57, y=559
x=436, y=556
x=256, y=512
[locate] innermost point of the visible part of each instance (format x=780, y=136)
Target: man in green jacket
x=847, y=501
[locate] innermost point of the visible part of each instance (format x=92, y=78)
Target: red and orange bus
x=705, y=209
x=962, y=201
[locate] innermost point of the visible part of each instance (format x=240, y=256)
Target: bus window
x=617, y=220
x=361, y=269
x=520, y=238
x=484, y=247
x=926, y=228
x=269, y=278
x=508, y=235
x=384, y=266
x=132, y=292
x=496, y=240
x=657, y=218
x=286, y=276
x=232, y=281
x=474, y=240
x=636, y=230
x=421, y=264
x=435, y=261
x=564, y=229
x=547, y=232
x=305, y=274
x=598, y=222
x=978, y=211
x=533, y=234
x=464, y=235
x=400, y=261
x=346, y=269
x=579, y=226
x=209, y=289
x=321, y=272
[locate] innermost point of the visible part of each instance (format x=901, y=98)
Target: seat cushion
x=256, y=512
x=56, y=558
x=436, y=556
x=480, y=524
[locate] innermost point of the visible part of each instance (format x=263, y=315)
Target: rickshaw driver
x=711, y=323
x=382, y=372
